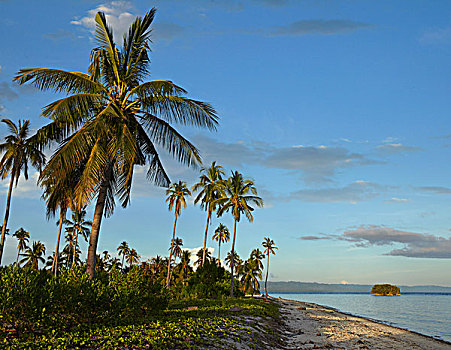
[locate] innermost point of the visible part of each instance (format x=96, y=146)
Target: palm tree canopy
x=112, y=119
x=123, y=249
x=176, y=196
x=269, y=246
x=132, y=257
x=22, y=238
x=209, y=186
x=256, y=257
x=18, y=149
x=33, y=255
x=237, y=196
x=78, y=225
x=221, y=234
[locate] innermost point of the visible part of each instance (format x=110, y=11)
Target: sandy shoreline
x=312, y=326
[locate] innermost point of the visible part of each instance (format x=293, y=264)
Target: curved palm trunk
x=95, y=228
x=205, y=238
x=5, y=221
x=56, y=256
x=266, y=279
x=233, y=258
x=168, y=277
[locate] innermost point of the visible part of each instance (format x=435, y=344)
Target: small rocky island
x=385, y=290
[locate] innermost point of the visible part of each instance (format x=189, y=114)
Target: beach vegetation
x=385, y=290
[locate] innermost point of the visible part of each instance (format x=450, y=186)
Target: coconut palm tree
x=132, y=257
x=221, y=235
x=123, y=250
x=183, y=268
x=33, y=255
x=77, y=226
x=112, y=119
x=257, y=256
x=269, y=246
x=237, y=195
x=200, y=257
x=210, y=191
x=18, y=150
x=176, y=198
x=22, y=239
x=250, y=275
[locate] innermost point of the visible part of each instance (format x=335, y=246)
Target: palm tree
x=184, y=268
x=77, y=226
x=34, y=255
x=17, y=151
x=176, y=197
x=200, y=257
x=209, y=183
x=112, y=120
x=269, y=246
x=22, y=238
x=251, y=273
x=237, y=194
x=221, y=235
x=132, y=257
x=257, y=256
x=123, y=250
x=178, y=244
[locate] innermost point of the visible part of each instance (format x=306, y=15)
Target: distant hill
x=312, y=287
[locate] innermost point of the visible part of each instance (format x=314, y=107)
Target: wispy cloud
x=6, y=93
x=355, y=192
x=319, y=27
x=436, y=36
x=435, y=189
x=397, y=200
x=415, y=245
x=395, y=148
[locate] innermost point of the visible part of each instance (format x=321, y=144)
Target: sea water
x=426, y=313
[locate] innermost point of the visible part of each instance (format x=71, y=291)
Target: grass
x=188, y=324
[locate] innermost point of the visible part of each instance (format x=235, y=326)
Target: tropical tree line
x=111, y=120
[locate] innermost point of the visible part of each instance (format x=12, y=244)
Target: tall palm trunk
x=75, y=249
x=56, y=256
x=219, y=253
x=5, y=221
x=168, y=277
x=266, y=279
x=123, y=256
x=233, y=258
x=95, y=228
x=206, y=232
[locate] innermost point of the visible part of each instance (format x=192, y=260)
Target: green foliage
x=71, y=300
x=385, y=289
x=210, y=281
x=185, y=325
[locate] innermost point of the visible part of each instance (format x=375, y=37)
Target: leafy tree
x=237, y=195
x=17, y=152
x=210, y=191
x=176, y=198
x=123, y=250
x=270, y=248
x=112, y=120
x=33, y=255
x=221, y=235
x=22, y=239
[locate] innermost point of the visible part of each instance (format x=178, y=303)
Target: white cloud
x=394, y=148
x=25, y=188
x=398, y=200
x=118, y=15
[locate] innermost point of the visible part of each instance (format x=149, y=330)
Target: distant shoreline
x=338, y=328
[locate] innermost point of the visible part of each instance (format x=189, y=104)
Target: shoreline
x=309, y=325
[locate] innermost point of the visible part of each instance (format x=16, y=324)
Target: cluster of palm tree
x=110, y=121
x=216, y=194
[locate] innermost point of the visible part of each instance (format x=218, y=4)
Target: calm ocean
x=426, y=313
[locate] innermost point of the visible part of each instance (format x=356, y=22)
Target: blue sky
x=338, y=110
